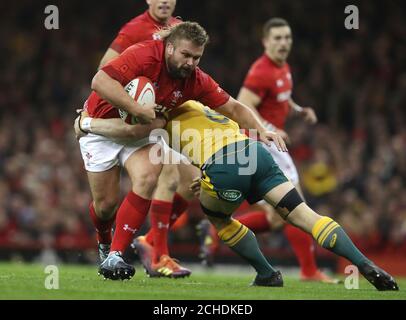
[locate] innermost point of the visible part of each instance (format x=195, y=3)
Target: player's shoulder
x=262, y=64
x=140, y=19
x=153, y=48
x=175, y=20
x=260, y=68
x=201, y=78
x=147, y=53
x=137, y=23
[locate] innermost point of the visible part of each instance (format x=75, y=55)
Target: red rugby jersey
x=273, y=84
x=140, y=28
x=147, y=59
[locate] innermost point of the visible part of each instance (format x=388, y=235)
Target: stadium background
x=352, y=164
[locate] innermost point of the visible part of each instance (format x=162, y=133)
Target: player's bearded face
x=278, y=43
x=182, y=58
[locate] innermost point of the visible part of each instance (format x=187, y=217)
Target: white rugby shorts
x=285, y=163
x=101, y=154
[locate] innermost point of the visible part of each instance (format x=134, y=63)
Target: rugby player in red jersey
x=167, y=205
x=143, y=27
x=267, y=90
x=171, y=65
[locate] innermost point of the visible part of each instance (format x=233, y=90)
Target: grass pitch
x=27, y=281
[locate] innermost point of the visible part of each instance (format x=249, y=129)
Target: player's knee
x=218, y=219
x=106, y=207
x=145, y=183
x=289, y=202
x=304, y=217
x=169, y=178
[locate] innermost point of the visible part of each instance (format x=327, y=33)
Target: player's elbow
x=97, y=81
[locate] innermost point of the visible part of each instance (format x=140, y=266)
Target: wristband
x=85, y=126
x=297, y=108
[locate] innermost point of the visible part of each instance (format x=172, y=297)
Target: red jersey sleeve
x=209, y=91
x=256, y=82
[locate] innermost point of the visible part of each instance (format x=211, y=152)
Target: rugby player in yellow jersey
x=235, y=168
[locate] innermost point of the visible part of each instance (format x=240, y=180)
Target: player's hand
x=309, y=115
x=139, y=131
x=76, y=126
x=271, y=136
x=284, y=135
x=195, y=187
x=146, y=113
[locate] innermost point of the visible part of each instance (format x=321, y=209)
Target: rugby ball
x=142, y=91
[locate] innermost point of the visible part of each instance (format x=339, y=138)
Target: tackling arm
x=114, y=128
x=241, y=114
x=251, y=100
x=247, y=119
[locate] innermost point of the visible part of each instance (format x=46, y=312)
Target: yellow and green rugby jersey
x=198, y=132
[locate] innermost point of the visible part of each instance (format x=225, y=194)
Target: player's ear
x=169, y=48
x=264, y=41
x=148, y=2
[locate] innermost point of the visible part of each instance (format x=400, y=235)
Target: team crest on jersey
x=156, y=36
x=230, y=195
x=279, y=83
x=176, y=96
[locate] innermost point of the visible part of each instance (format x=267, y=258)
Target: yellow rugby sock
x=332, y=237
x=243, y=242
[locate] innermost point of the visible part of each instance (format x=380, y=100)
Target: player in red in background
x=167, y=205
x=143, y=27
x=267, y=91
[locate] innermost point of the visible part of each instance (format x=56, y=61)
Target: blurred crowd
x=352, y=164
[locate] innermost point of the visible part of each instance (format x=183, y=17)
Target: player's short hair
x=186, y=30
x=273, y=23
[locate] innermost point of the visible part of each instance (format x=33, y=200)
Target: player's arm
x=252, y=100
x=113, y=92
x=247, y=119
x=109, y=55
x=306, y=112
x=114, y=128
